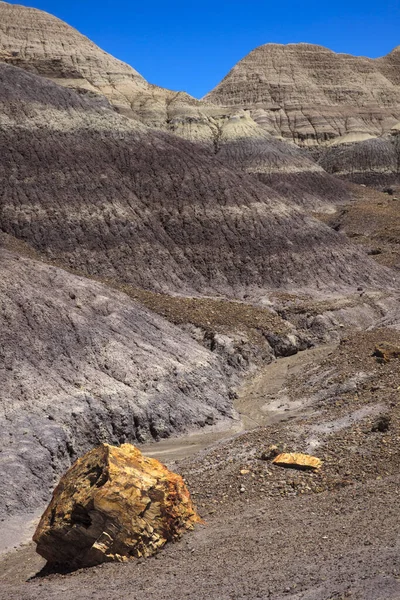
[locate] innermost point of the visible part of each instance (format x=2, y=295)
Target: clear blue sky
x=184, y=45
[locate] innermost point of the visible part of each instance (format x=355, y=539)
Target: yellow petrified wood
x=297, y=461
x=113, y=504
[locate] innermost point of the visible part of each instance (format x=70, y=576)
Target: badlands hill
x=154, y=249
x=374, y=162
x=104, y=195
x=42, y=44
x=311, y=95
x=300, y=93
x=107, y=196
x=80, y=364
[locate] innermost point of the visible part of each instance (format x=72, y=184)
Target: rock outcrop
x=106, y=196
x=112, y=505
x=82, y=364
x=311, y=95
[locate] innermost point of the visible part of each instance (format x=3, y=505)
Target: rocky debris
x=345, y=391
x=113, y=504
x=286, y=90
x=297, y=460
x=381, y=424
x=386, y=351
x=371, y=221
x=82, y=364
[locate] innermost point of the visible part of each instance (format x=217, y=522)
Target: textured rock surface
x=374, y=162
x=42, y=44
x=112, y=505
x=149, y=208
x=296, y=460
x=311, y=95
x=246, y=146
x=81, y=364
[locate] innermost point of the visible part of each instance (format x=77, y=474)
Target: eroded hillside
x=311, y=95
x=104, y=195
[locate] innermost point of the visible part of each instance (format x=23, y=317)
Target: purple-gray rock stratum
x=105, y=195
x=82, y=364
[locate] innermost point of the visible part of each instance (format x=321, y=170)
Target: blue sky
x=190, y=46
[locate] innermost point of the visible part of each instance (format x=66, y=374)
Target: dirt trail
x=261, y=400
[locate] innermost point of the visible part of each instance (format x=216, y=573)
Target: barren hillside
x=311, y=95
x=104, y=195
x=81, y=364
x=44, y=45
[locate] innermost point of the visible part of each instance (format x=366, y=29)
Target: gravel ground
x=271, y=532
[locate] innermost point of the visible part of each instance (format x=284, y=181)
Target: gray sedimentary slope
x=104, y=195
x=44, y=45
x=311, y=95
x=374, y=162
x=245, y=146
x=82, y=364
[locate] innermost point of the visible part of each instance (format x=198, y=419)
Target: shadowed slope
x=112, y=198
x=246, y=146
x=374, y=162
x=82, y=364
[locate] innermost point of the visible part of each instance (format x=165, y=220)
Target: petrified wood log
x=113, y=504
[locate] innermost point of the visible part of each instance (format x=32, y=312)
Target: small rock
x=385, y=351
x=298, y=461
x=381, y=424
x=271, y=453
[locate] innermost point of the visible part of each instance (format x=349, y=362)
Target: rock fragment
x=386, y=351
x=298, y=461
x=272, y=452
x=381, y=424
x=112, y=505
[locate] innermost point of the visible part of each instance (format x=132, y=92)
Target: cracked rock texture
x=311, y=95
x=117, y=200
x=112, y=505
x=82, y=364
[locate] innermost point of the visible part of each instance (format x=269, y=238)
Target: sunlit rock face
x=311, y=95
x=112, y=505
